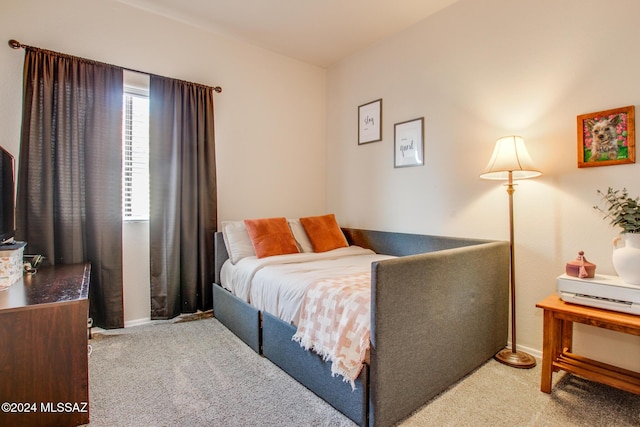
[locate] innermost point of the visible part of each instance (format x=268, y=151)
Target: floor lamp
x=510, y=161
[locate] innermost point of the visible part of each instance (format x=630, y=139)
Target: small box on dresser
x=11, y=266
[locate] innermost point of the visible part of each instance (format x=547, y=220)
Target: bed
x=439, y=310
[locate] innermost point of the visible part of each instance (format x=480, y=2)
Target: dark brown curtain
x=70, y=174
x=183, y=196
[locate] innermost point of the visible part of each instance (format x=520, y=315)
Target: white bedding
x=277, y=284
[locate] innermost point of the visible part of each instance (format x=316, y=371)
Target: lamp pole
x=513, y=357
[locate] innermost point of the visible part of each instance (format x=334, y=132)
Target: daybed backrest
x=382, y=242
x=404, y=244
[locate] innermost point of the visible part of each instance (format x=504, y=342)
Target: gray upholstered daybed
x=439, y=311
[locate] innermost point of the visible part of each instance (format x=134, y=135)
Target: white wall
x=270, y=117
x=135, y=263
x=477, y=71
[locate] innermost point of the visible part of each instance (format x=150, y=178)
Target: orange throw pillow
x=324, y=232
x=271, y=236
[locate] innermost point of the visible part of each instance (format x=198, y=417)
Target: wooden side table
x=557, y=342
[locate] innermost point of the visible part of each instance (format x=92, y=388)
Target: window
x=135, y=155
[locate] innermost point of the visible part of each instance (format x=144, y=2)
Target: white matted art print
x=408, y=143
x=370, y=122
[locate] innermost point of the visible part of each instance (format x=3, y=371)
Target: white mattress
x=277, y=284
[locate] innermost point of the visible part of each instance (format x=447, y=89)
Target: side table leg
x=550, y=346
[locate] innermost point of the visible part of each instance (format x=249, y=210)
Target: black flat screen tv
x=7, y=196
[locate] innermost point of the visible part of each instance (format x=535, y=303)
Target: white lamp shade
x=510, y=155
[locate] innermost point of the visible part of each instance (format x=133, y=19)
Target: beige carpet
x=497, y=395
x=199, y=374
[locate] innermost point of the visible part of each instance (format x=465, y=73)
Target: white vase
x=626, y=259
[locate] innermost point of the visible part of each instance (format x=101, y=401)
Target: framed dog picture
x=370, y=122
x=408, y=143
x=607, y=138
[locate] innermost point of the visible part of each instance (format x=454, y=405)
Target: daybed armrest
x=436, y=317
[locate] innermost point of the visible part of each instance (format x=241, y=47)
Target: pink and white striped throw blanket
x=335, y=322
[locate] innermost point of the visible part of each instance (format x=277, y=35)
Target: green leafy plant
x=621, y=210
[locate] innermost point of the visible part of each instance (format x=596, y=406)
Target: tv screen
x=7, y=196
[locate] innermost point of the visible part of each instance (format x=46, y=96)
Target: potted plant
x=624, y=211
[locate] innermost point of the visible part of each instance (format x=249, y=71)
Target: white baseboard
x=532, y=351
x=137, y=322
x=127, y=324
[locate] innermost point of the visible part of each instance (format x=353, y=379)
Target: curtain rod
x=14, y=44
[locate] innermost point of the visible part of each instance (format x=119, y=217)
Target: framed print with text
x=370, y=122
x=408, y=143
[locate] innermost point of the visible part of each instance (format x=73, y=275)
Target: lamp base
x=515, y=359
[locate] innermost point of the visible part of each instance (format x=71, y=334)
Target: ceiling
x=319, y=32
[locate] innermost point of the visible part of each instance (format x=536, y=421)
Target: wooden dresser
x=44, y=364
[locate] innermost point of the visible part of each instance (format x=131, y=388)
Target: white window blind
x=135, y=161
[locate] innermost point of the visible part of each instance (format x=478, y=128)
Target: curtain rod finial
x=14, y=44
x=217, y=89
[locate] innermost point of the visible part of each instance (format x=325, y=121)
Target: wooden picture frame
x=409, y=143
x=370, y=122
x=607, y=137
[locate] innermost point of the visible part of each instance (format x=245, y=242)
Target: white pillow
x=237, y=240
x=304, y=244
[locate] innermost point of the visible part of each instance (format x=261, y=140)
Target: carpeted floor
x=198, y=373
